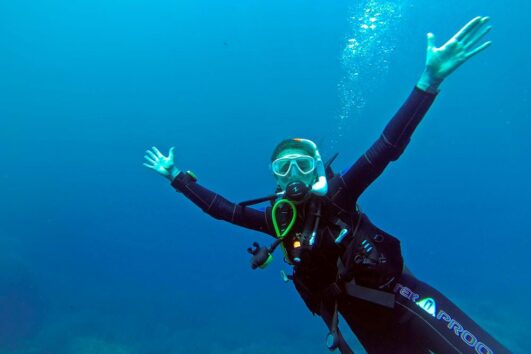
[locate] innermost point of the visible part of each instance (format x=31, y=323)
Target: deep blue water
x=100, y=255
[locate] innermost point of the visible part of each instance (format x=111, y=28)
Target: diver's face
x=294, y=165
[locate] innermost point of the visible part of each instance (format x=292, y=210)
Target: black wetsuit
x=420, y=318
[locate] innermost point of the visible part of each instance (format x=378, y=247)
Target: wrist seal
x=183, y=178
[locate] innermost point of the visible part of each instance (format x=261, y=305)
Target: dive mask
x=304, y=163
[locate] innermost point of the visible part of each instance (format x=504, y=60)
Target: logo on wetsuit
x=429, y=305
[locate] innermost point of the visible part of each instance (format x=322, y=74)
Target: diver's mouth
x=297, y=191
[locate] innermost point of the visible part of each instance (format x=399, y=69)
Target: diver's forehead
x=292, y=151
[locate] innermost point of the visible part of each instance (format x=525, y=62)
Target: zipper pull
x=341, y=235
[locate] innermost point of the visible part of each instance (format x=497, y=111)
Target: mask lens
x=305, y=164
x=281, y=166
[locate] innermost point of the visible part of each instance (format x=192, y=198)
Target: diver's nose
x=293, y=171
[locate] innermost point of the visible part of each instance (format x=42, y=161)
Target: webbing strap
x=372, y=295
x=379, y=297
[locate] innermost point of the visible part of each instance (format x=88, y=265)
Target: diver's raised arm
x=211, y=203
x=440, y=62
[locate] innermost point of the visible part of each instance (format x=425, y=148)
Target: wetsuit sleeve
x=389, y=146
x=220, y=208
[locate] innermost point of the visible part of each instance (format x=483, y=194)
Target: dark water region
x=100, y=255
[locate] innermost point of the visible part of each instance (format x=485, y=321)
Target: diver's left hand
x=442, y=61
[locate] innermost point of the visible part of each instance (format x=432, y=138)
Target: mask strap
x=320, y=187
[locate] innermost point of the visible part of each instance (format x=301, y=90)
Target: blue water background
x=100, y=255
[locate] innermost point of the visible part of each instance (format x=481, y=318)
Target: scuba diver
x=343, y=263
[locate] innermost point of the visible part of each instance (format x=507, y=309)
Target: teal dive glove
x=442, y=61
x=161, y=164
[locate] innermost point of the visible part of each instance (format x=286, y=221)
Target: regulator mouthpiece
x=296, y=191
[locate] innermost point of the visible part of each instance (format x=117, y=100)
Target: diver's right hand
x=161, y=164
